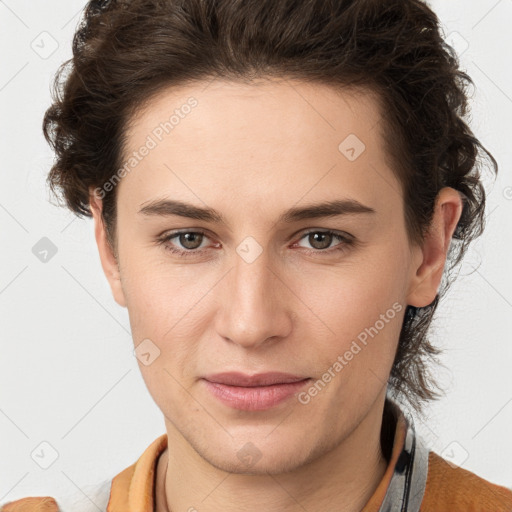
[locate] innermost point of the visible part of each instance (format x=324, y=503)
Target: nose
x=256, y=303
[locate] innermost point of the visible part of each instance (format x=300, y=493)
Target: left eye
x=323, y=239
x=191, y=241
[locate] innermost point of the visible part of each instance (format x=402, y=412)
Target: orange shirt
x=416, y=480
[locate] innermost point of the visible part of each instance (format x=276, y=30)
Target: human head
x=393, y=49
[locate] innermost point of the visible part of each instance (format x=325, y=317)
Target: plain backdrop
x=68, y=376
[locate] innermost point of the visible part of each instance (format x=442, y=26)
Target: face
x=258, y=286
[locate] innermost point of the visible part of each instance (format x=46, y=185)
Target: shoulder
x=91, y=498
x=33, y=504
x=454, y=488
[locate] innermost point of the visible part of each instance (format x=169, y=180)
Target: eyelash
x=347, y=242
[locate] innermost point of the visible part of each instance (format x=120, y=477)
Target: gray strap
x=407, y=486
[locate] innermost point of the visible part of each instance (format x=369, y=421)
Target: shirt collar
x=401, y=489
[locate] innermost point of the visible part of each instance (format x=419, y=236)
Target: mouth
x=254, y=392
x=259, y=379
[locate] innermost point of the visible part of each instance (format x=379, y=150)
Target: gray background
x=68, y=374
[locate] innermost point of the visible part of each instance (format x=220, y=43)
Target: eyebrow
x=172, y=207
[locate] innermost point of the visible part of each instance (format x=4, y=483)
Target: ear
x=106, y=252
x=431, y=257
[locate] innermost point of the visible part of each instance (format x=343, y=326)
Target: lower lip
x=258, y=398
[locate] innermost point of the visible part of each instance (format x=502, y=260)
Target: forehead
x=268, y=141
x=264, y=107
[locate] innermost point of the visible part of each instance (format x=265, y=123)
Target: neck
x=346, y=475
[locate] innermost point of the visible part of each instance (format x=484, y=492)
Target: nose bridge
x=252, y=277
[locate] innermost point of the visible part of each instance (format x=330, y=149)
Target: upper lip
x=259, y=379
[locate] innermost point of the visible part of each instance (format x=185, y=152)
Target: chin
x=275, y=464
x=260, y=455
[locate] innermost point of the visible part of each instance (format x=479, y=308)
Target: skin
x=252, y=151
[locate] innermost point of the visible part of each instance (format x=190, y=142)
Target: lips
x=254, y=392
x=260, y=379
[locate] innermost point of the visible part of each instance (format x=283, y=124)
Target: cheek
x=157, y=294
x=358, y=313
x=167, y=306
x=167, y=386
x=355, y=361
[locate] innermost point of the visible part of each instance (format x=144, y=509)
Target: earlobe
x=108, y=260
x=429, y=262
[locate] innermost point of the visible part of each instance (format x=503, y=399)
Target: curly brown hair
x=126, y=51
